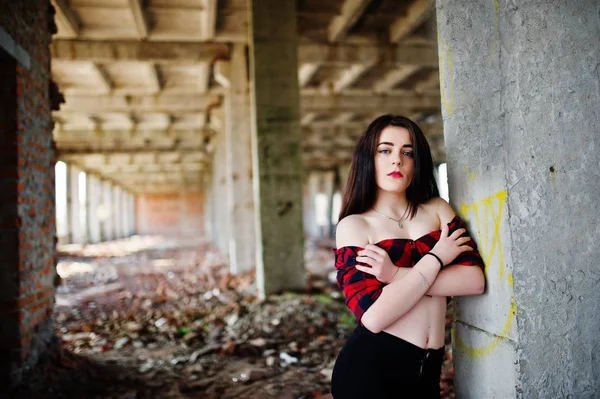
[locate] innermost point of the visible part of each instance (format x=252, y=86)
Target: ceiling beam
x=192, y=52
x=430, y=83
x=66, y=19
x=155, y=79
x=103, y=78
x=417, y=12
x=308, y=118
x=306, y=72
x=209, y=20
x=394, y=78
x=350, y=75
x=140, y=18
x=203, y=76
x=345, y=54
x=361, y=104
x=70, y=153
x=117, y=50
x=142, y=103
x=350, y=14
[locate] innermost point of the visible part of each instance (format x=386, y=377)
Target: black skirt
x=375, y=366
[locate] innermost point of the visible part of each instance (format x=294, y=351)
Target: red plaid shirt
x=362, y=289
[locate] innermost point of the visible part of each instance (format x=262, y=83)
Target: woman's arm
x=458, y=280
x=464, y=276
x=398, y=297
x=403, y=293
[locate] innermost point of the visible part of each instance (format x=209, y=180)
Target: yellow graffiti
x=488, y=245
x=489, y=348
x=488, y=216
x=471, y=175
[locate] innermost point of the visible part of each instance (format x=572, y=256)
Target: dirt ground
x=156, y=317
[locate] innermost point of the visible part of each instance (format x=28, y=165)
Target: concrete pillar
x=94, y=193
x=276, y=145
x=327, y=189
x=238, y=135
x=117, y=211
x=207, y=188
x=220, y=221
x=132, y=214
x=108, y=232
x=519, y=90
x=76, y=223
x=309, y=215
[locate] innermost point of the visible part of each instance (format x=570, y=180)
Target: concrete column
x=220, y=203
x=124, y=213
x=132, y=215
x=94, y=193
x=207, y=188
x=276, y=145
x=117, y=211
x=309, y=215
x=327, y=188
x=519, y=90
x=238, y=135
x=108, y=232
x=76, y=224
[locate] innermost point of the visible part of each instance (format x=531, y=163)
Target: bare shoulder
x=442, y=209
x=352, y=231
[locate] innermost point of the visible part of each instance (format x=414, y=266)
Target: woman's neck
x=391, y=204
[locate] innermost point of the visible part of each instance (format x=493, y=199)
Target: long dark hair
x=361, y=188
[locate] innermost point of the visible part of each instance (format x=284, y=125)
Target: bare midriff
x=423, y=325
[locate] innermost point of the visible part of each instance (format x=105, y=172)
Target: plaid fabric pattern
x=362, y=290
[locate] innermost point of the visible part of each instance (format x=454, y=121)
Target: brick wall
x=27, y=222
x=170, y=214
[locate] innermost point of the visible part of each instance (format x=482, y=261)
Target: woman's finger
x=374, y=255
x=365, y=260
x=444, y=232
x=466, y=248
x=375, y=248
x=462, y=240
x=458, y=233
x=365, y=269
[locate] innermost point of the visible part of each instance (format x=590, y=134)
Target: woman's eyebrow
x=392, y=144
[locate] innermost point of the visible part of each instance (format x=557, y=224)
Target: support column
x=327, y=187
x=131, y=207
x=221, y=212
x=108, y=232
x=519, y=90
x=207, y=188
x=76, y=225
x=93, y=199
x=276, y=148
x=310, y=191
x=238, y=135
x=116, y=207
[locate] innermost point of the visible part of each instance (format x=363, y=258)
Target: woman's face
x=394, y=159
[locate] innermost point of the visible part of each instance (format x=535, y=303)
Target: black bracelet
x=437, y=257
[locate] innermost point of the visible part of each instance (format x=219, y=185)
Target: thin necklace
x=398, y=221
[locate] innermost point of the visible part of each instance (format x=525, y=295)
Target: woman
x=401, y=251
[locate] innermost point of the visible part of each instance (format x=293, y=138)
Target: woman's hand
x=379, y=261
x=450, y=246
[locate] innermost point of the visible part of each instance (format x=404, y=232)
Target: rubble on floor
x=166, y=320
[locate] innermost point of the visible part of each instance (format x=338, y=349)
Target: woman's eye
x=409, y=154
x=384, y=151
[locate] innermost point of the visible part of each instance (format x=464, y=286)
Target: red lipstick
x=396, y=175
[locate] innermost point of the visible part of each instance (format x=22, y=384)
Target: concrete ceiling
x=143, y=99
